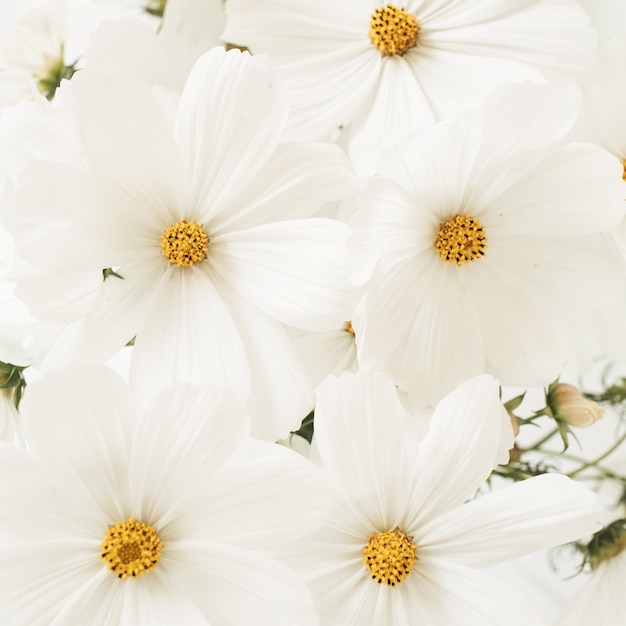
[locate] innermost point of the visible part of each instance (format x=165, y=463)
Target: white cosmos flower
x=34, y=59
x=403, y=546
x=602, y=121
x=205, y=220
x=478, y=235
x=388, y=70
x=604, y=98
x=211, y=507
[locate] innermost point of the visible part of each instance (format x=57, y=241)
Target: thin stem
x=598, y=459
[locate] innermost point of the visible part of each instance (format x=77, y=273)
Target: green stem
x=603, y=456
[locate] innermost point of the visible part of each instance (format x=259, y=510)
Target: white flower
x=345, y=62
x=403, y=546
x=204, y=220
x=211, y=509
x=482, y=235
x=601, y=111
x=35, y=58
x=163, y=56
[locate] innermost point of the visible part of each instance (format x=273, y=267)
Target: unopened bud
x=569, y=405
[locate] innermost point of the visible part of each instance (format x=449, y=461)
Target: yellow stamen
x=348, y=327
x=461, y=240
x=624, y=174
x=185, y=243
x=393, y=30
x=131, y=548
x=389, y=556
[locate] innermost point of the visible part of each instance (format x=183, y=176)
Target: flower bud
x=569, y=405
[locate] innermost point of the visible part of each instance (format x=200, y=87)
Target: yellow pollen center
x=185, y=243
x=393, y=30
x=389, y=557
x=461, y=240
x=624, y=174
x=348, y=327
x=131, y=548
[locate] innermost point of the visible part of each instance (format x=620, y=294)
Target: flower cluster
x=352, y=228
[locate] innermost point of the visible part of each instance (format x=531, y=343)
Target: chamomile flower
x=199, y=225
x=403, y=545
x=388, y=69
x=173, y=515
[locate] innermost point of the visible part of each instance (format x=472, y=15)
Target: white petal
x=295, y=182
x=280, y=394
x=231, y=113
x=294, y=271
x=601, y=601
x=127, y=138
x=534, y=514
x=475, y=432
x=186, y=435
x=590, y=196
x=36, y=506
x=59, y=297
x=366, y=446
x=86, y=224
x=123, y=304
x=80, y=424
x=36, y=580
x=156, y=599
x=232, y=586
x=442, y=592
x=400, y=108
x=524, y=344
x=264, y=498
x=98, y=601
x=193, y=332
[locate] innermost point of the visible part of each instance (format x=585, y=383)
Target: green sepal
x=307, y=427
x=13, y=379
x=514, y=403
x=108, y=271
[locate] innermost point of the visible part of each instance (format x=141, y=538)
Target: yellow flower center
x=348, y=327
x=461, y=240
x=393, y=30
x=624, y=174
x=185, y=243
x=131, y=548
x=389, y=556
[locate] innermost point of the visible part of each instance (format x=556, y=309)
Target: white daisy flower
x=170, y=516
x=403, y=545
x=202, y=227
x=388, y=70
x=480, y=235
